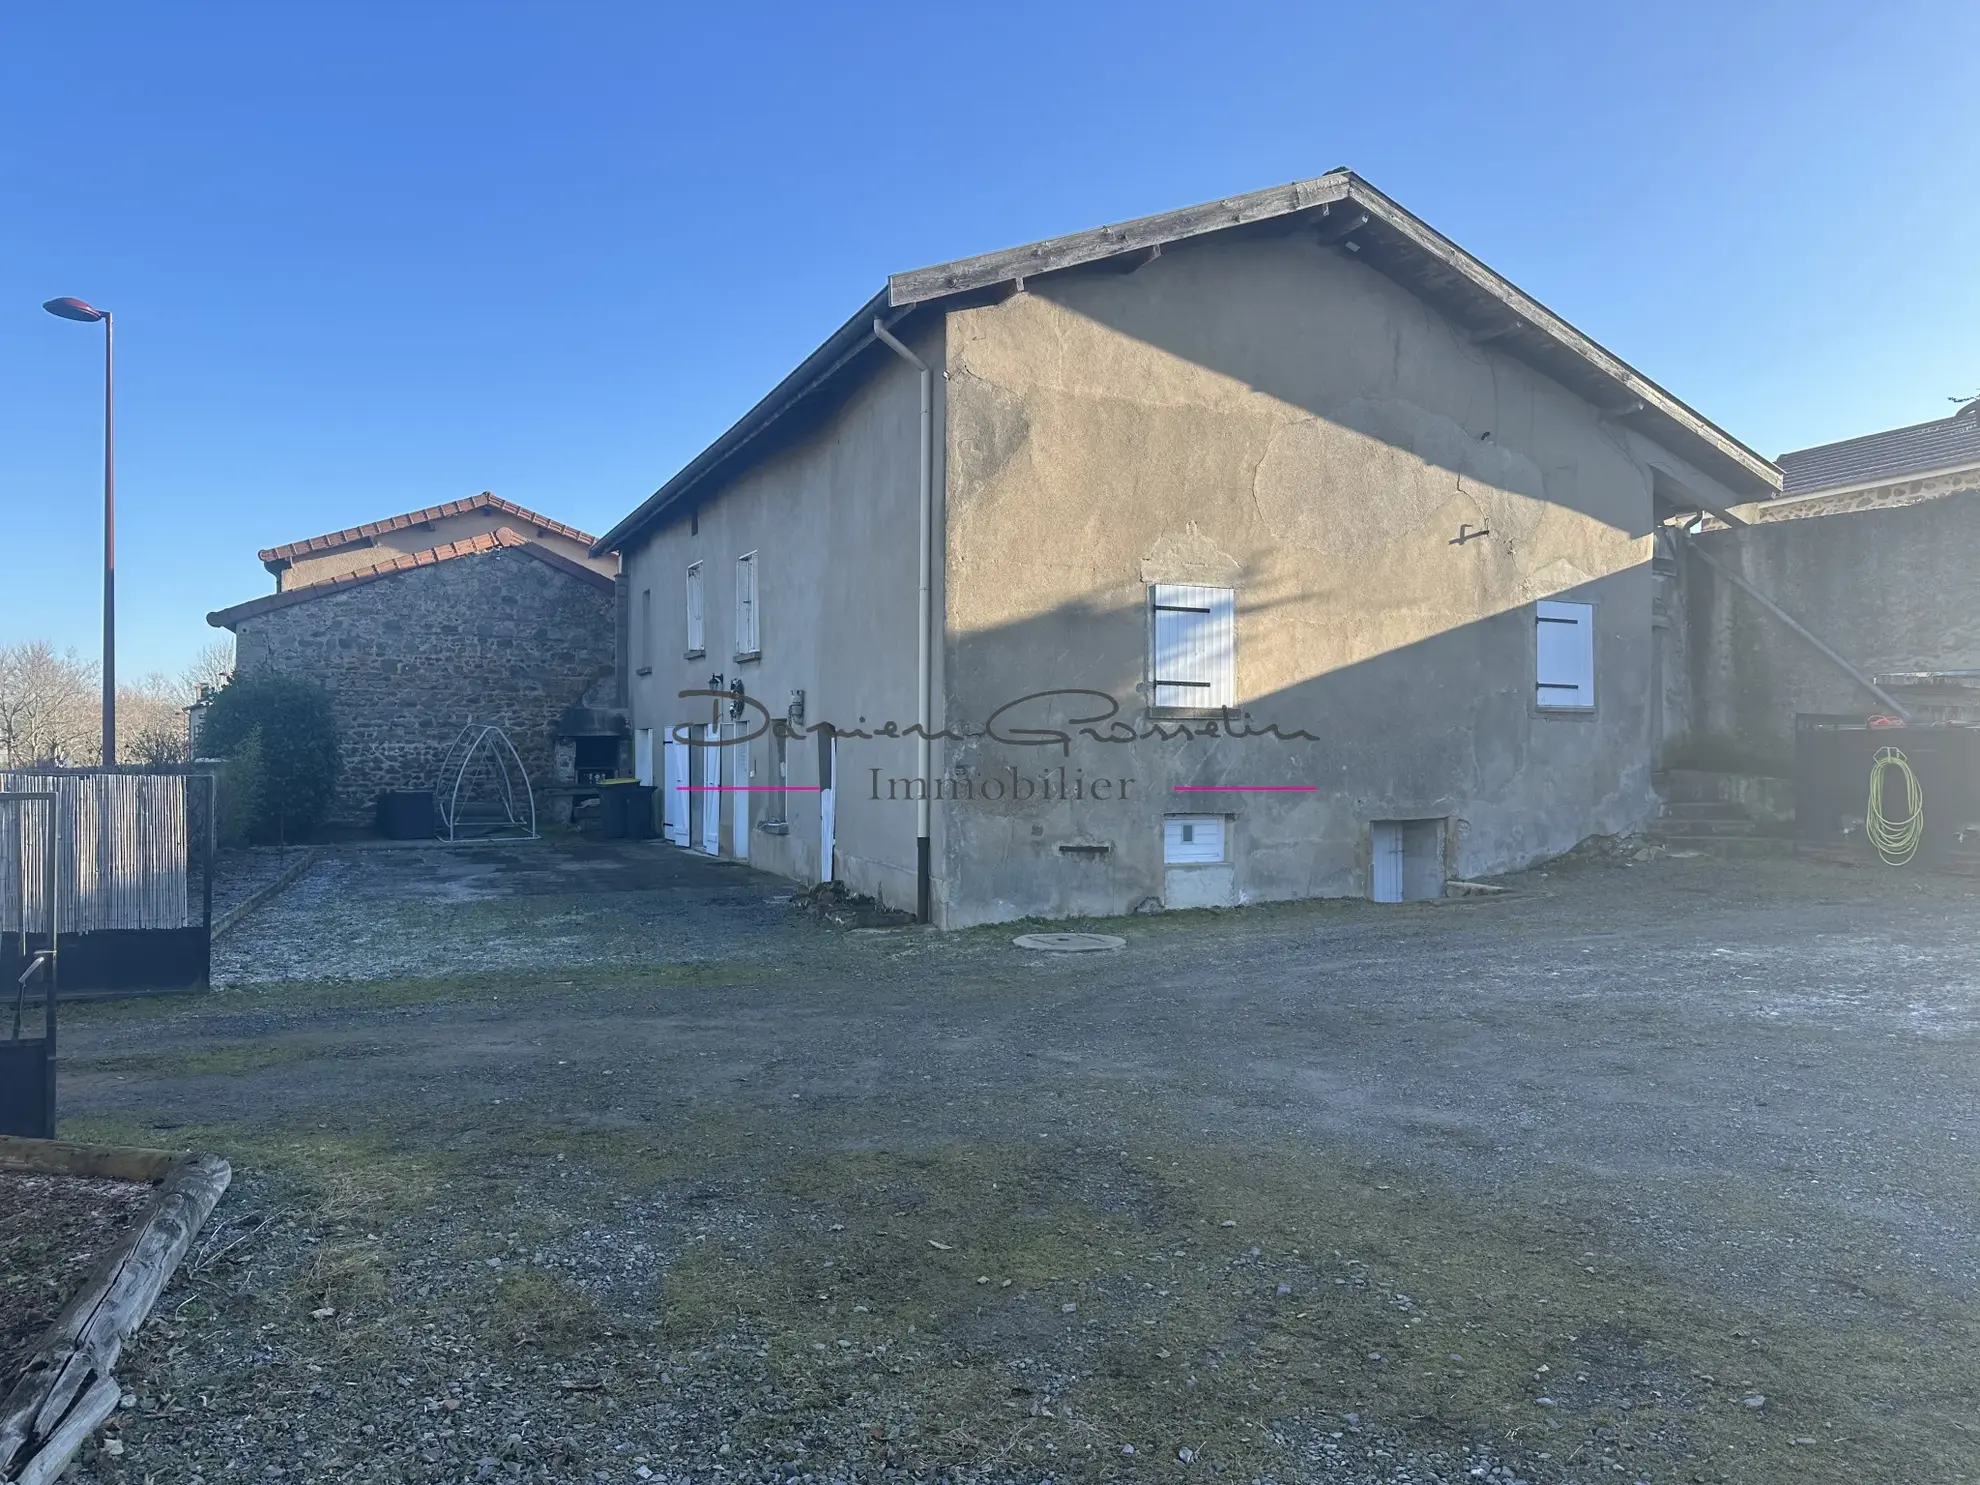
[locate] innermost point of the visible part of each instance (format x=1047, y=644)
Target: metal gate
x=132, y=853
x=31, y=825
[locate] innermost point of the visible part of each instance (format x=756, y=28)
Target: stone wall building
x=1870, y=553
x=1270, y=548
x=501, y=626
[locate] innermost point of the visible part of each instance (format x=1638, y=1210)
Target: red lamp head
x=74, y=309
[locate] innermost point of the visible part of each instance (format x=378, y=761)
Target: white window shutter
x=1221, y=647
x=1564, y=655
x=747, y=641
x=1194, y=663
x=695, y=640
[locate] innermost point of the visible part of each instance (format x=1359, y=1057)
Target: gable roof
x=1941, y=446
x=275, y=557
x=1343, y=211
x=488, y=541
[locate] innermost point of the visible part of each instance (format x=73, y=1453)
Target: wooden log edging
x=241, y=912
x=70, y=1386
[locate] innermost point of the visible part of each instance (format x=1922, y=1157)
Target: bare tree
x=212, y=668
x=51, y=706
x=151, y=719
x=48, y=706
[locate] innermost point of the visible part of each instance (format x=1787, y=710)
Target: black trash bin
x=406, y=814
x=627, y=809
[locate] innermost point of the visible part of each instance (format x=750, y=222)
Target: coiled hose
x=1895, y=840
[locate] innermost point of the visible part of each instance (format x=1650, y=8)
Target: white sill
x=693, y=654
x=644, y=670
x=743, y=657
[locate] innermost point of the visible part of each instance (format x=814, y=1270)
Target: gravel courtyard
x=577, y=1162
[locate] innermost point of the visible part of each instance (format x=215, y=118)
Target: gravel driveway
x=586, y=1162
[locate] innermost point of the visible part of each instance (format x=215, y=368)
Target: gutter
x=924, y=659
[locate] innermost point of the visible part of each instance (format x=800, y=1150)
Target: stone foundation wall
x=410, y=659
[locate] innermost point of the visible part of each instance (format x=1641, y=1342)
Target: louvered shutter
x=1564, y=655
x=1195, y=645
x=748, y=641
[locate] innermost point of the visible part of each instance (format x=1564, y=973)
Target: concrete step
x=1704, y=809
x=1769, y=798
x=1710, y=825
x=1731, y=847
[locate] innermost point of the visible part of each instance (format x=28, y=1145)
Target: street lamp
x=75, y=309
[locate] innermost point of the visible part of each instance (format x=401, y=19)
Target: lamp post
x=75, y=309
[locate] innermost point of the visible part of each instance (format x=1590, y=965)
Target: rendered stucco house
x=1342, y=541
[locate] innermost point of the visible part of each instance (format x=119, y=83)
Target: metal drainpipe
x=923, y=678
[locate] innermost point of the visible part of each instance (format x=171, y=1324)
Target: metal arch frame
x=467, y=745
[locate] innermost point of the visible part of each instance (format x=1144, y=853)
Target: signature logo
x=1007, y=725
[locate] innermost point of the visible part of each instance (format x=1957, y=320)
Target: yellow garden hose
x=1895, y=840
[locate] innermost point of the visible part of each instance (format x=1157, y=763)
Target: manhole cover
x=1069, y=943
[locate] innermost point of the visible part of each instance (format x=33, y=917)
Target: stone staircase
x=1712, y=813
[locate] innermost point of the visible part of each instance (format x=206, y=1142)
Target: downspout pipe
x=1739, y=581
x=924, y=658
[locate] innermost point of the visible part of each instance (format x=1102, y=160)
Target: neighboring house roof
x=1343, y=211
x=1880, y=458
x=488, y=541
x=275, y=557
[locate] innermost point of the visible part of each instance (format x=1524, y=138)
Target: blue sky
x=366, y=258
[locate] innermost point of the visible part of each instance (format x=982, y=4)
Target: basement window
x=1192, y=840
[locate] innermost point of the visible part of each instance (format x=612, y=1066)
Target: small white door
x=711, y=791
x=828, y=815
x=1386, y=837
x=643, y=755
x=678, y=794
x=739, y=800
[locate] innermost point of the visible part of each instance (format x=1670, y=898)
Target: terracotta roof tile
x=488, y=541
x=317, y=545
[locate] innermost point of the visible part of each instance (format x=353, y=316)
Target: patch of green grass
x=931, y=1285
x=478, y=988
x=531, y=1307
x=991, y=1302
x=227, y=1059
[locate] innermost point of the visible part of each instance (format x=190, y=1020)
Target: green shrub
x=243, y=786
x=281, y=729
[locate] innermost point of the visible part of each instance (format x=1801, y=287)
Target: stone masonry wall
x=1891, y=589
x=410, y=659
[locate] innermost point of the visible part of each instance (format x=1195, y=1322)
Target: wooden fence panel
x=122, y=852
